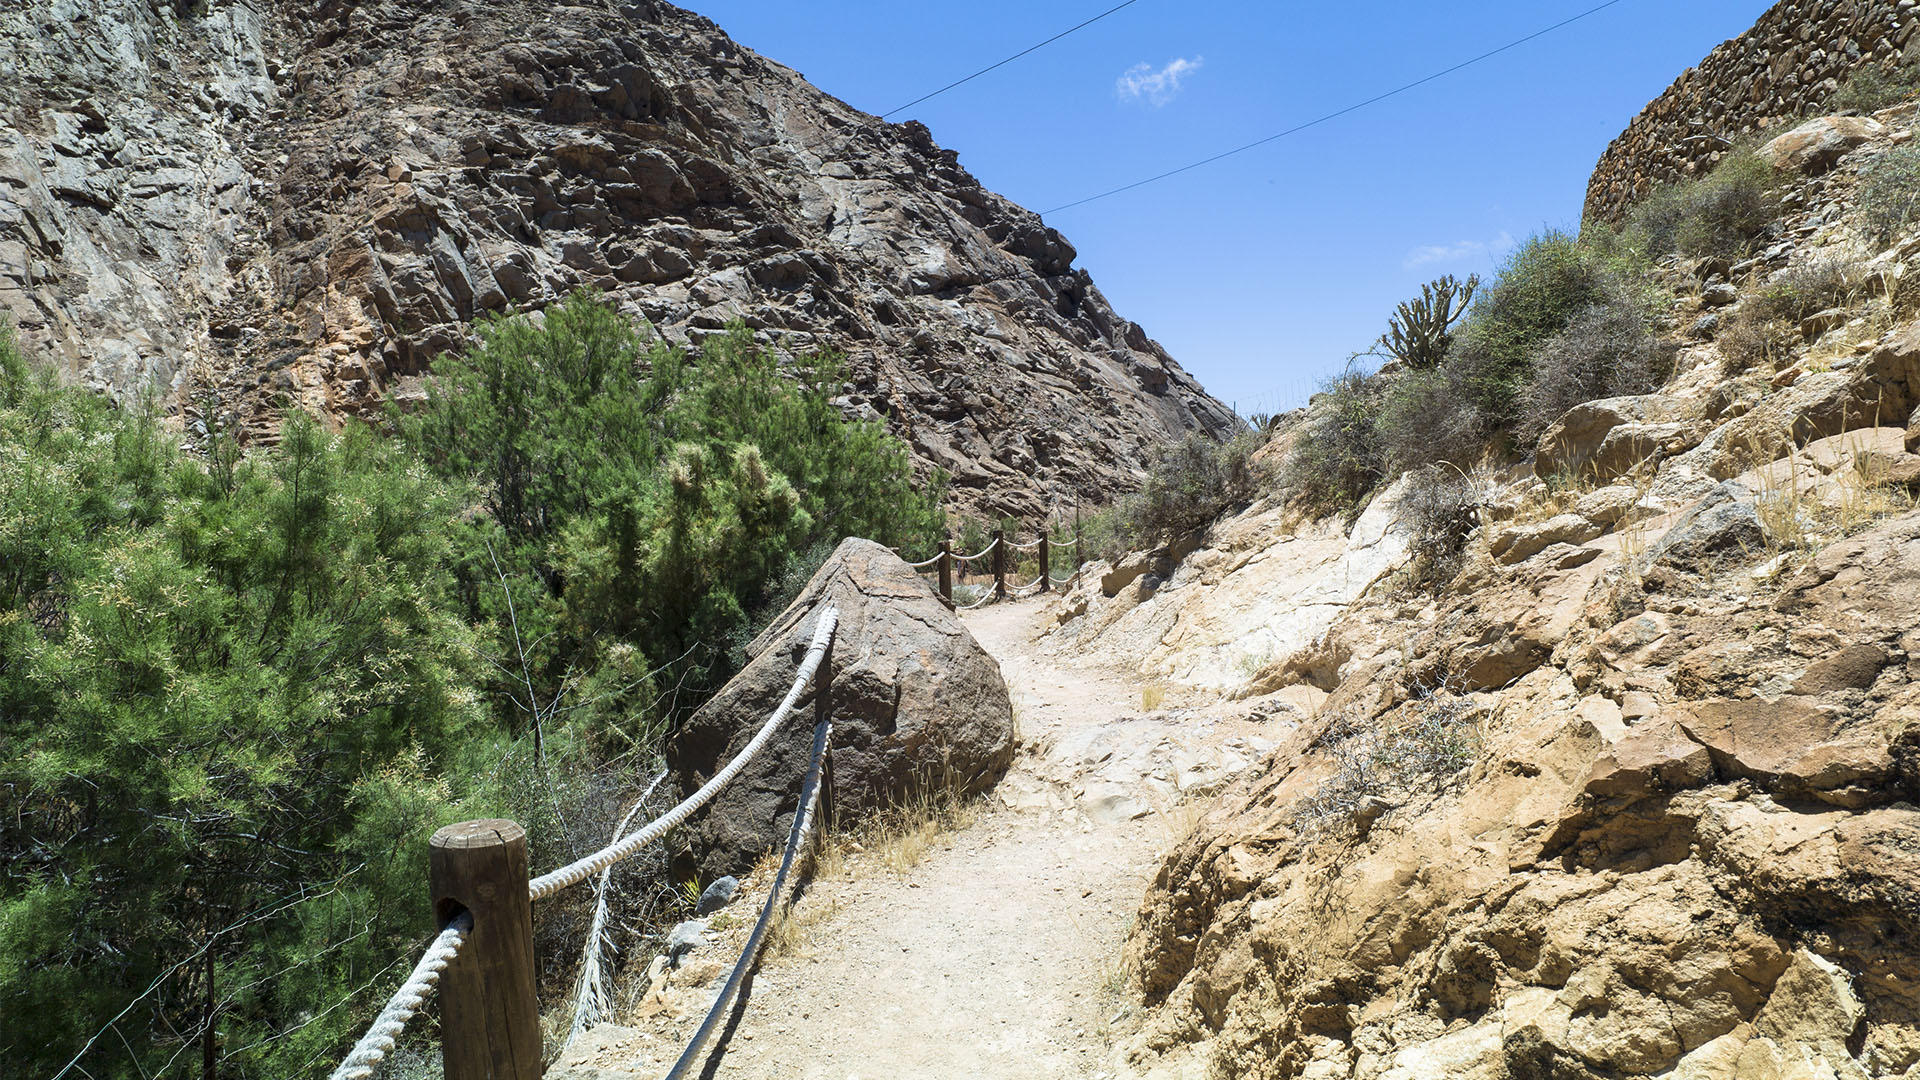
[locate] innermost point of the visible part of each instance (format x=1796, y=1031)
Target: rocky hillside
x=1634, y=793
x=1793, y=60
x=299, y=203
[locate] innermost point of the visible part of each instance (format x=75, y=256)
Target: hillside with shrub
x=240, y=688
x=1581, y=612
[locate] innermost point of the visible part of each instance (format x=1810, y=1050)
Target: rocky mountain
x=257, y=205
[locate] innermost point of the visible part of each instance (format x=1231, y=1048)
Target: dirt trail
x=997, y=955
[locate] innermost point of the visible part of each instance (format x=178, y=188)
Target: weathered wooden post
x=1000, y=564
x=489, y=1019
x=1046, y=560
x=946, y=572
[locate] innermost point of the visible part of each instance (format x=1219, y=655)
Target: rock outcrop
x=917, y=706
x=299, y=203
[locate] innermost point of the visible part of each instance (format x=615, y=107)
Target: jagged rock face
x=302, y=205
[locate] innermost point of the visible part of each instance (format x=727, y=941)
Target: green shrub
x=1888, y=196
x=1192, y=482
x=1722, y=213
x=1543, y=285
x=644, y=495
x=1337, y=458
x=1872, y=88
x=1609, y=350
x=238, y=695
x=222, y=694
x=1189, y=485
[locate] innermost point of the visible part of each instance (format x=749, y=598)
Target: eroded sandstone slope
x=1637, y=792
x=301, y=202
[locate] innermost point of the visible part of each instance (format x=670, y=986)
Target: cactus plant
x=1421, y=331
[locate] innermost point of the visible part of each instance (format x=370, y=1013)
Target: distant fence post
x=489, y=1018
x=1000, y=564
x=1079, y=545
x=1046, y=560
x=946, y=572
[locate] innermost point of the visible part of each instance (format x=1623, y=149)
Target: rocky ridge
x=1637, y=793
x=299, y=203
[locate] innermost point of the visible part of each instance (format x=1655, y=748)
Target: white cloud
x=1159, y=87
x=1433, y=254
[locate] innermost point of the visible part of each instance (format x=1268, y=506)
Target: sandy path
x=996, y=956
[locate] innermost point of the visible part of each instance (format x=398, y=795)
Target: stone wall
x=1788, y=65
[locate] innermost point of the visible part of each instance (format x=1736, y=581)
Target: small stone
x=717, y=895
x=684, y=938
x=1719, y=295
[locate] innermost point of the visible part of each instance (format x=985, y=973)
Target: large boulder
x=1607, y=438
x=916, y=703
x=1816, y=145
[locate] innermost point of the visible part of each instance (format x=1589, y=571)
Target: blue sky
x=1261, y=273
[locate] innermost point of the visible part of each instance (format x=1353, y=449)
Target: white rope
x=1029, y=546
x=377, y=1043
x=983, y=553
x=1023, y=588
x=1075, y=542
x=580, y=869
x=982, y=602
x=1061, y=580
x=923, y=565
x=591, y=1002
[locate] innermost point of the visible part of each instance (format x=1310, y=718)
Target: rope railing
x=981, y=554
x=580, y=869
x=476, y=851
x=750, y=954
x=948, y=561
x=378, y=1042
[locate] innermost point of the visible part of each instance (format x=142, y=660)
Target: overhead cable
x=1335, y=115
x=1008, y=60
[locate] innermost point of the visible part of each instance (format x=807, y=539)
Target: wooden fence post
x=946, y=572
x=1000, y=564
x=1046, y=561
x=489, y=1018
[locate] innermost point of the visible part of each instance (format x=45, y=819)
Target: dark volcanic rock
x=302, y=202
x=916, y=704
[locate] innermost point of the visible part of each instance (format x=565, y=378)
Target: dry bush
x=1748, y=342
x=1441, y=509
x=1888, y=196
x=1810, y=288
x=1608, y=350
x=1415, y=750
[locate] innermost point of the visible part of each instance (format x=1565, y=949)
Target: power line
x=1376, y=99
x=1009, y=60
